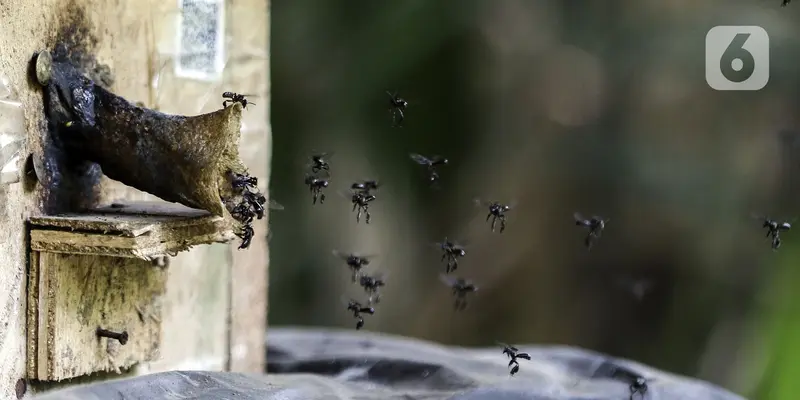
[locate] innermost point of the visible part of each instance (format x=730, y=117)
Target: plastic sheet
x=12, y=134
x=316, y=364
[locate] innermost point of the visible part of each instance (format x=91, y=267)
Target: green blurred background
x=592, y=106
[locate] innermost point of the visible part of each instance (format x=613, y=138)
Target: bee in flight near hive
x=774, y=229
x=355, y=262
x=513, y=353
x=358, y=309
x=320, y=162
x=461, y=287
x=316, y=185
x=397, y=106
x=372, y=285
x=451, y=251
x=595, y=226
x=497, y=212
x=430, y=164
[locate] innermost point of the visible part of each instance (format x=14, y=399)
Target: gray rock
x=317, y=364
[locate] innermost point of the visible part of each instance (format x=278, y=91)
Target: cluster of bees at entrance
x=363, y=193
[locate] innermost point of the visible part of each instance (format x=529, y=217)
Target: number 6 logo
x=737, y=58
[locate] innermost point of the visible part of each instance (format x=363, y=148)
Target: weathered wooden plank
x=128, y=219
x=77, y=294
x=138, y=230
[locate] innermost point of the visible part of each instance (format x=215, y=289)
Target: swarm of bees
x=251, y=206
x=362, y=194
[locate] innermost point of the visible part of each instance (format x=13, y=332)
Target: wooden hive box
x=99, y=270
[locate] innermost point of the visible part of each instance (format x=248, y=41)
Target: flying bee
x=354, y=261
x=774, y=229
x=365, y=186
x=460, y=288
x=397, y=106
x=232, y=97
x=430, y=164
x=451, y=251
x=595, y=225
x=361, y=201
x=320, y=162
x=513, y=353
x=372, y=284
x=357, y=309
x=315, y=186
x=497, y=211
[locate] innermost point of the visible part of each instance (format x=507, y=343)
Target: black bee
x=451, y=251
x=513, y=353
x=430, y=164
x=497, y=211
x=460, y=288
x=774, y=229
x=243, y=181
x=785, y=2
x=361, y=200
x=315, y=186
x=636, y=382
x=397, y=106
x=371, y=285
x=246, y=235
x=319, y=162
x=243, y=212
x=595, y=225
x=354, y=261
x=236, y=98
x=357, y=310
x=365, y=187
x=257, y=202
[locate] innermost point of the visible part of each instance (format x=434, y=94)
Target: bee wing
x=391, y=96
x=478, y=202
x=448, y=280
x=346, y=300
x=274, y=205
x=759, y=217
x=380, y=275
x=621, y=373
x=513, y=203
x=369, y=257
x=340, y=254
x=420, y=159
x=579, y=218
x=346, y=194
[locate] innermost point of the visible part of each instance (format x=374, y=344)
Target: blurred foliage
x=571, y=105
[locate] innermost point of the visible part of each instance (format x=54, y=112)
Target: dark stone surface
x=312, y=364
